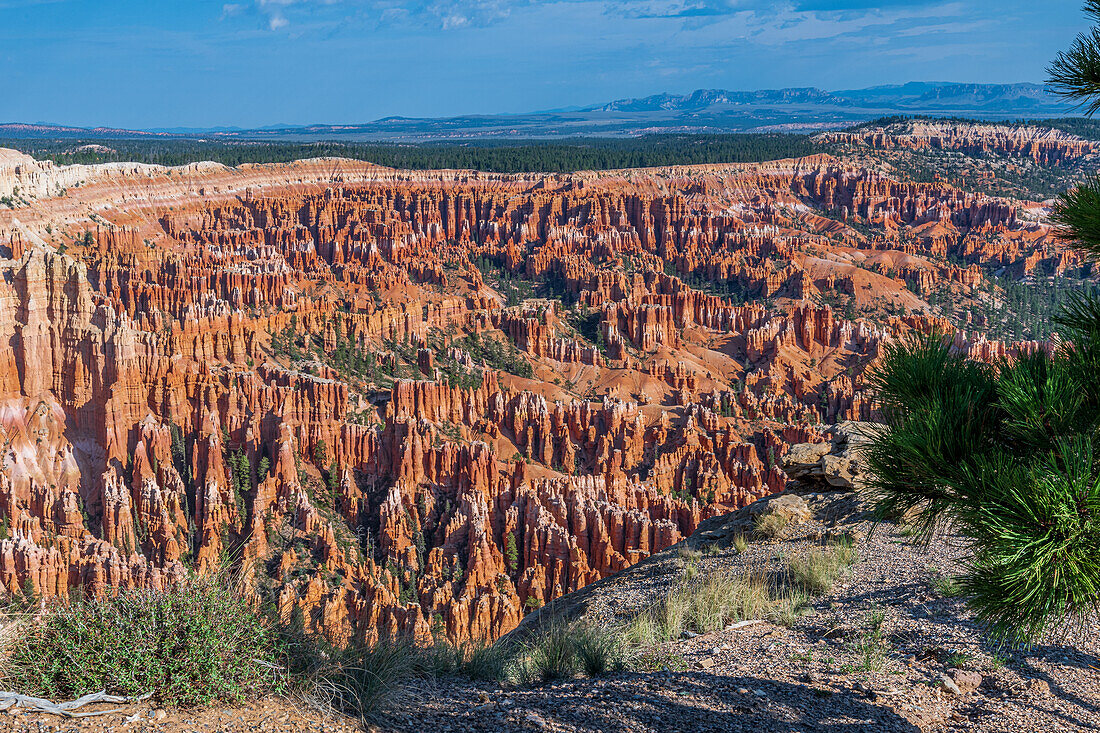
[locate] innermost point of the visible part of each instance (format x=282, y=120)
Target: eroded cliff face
x=1043, y=145
x=429, y=402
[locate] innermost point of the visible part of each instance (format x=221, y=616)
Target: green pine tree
x=1008, y=454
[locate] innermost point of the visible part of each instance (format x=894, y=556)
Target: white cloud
x=439, y=14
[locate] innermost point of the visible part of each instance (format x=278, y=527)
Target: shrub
x=1006, y=456
x=192, y=644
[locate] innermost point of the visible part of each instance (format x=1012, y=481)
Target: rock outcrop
x=1044, y=145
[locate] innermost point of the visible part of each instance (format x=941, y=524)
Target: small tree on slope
x=1008, y=454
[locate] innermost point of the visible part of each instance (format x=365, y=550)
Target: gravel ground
x=928, y=669
x=279, y=715
x=826, y=673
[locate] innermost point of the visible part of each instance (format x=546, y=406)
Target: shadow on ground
x=687, y=702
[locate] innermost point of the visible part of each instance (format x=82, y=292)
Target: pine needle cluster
x=1075, y=76
x=1006, y=455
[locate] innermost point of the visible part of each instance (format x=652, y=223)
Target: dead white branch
x=67, y=709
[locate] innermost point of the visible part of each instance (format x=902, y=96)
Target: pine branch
x=1075, y=74
x=1077, y=215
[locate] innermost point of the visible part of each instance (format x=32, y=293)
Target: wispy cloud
x=438, y=14
x=455, y=15
x=255, y=61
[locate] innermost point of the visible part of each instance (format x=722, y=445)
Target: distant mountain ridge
x=703, y=98
x=795, y=109
x=916, y=95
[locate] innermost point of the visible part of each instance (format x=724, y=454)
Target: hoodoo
x=429, y=402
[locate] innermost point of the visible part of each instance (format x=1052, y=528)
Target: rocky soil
x=265, y=716
x=889, y=648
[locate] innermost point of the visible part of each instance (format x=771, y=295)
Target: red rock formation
x=273, y=361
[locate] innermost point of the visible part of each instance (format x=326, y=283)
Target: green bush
x=1007, y=453
x=192, y=644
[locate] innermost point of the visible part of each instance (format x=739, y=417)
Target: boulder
x=791, y=507
x=804, y=459
x=839, y=472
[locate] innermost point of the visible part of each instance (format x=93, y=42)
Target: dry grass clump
x=817, y=570
x=710, y=603
x=688, y=554
x=769, y=526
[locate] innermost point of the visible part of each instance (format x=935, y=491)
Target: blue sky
x=165, y=63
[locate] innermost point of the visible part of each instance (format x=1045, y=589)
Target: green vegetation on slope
x=517, y=156
x=191, y=644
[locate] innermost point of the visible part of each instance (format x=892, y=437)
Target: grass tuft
x=770, y=526
x=565, y=650
x=946, y=586
x=703, y=604
x=871, y=645
x=599, y=651
x=357, y=680
x=818, y=569
x=487, y=662
x=552, y=655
